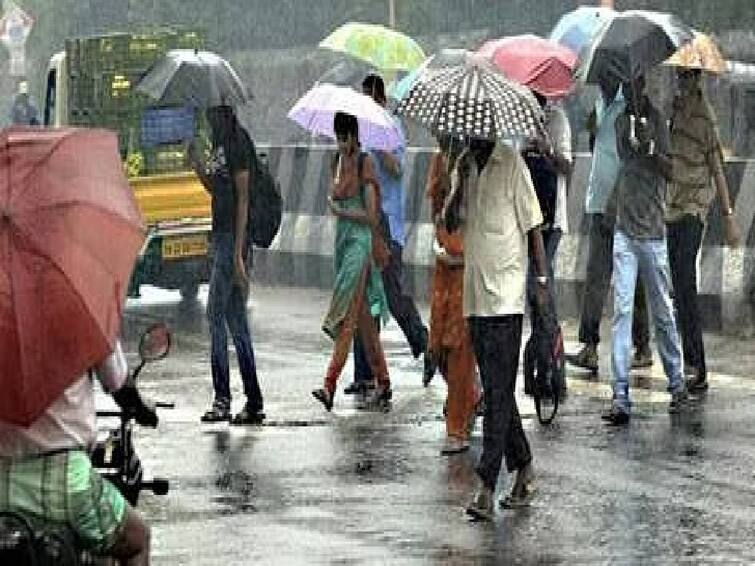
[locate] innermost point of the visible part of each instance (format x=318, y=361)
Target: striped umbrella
x=473, y=101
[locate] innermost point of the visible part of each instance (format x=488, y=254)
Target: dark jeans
x=226, y=305
x=402, y=309
x=496, y=342
x=599, y=272
x=684, y=239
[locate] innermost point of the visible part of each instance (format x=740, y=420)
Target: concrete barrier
x=302, y=253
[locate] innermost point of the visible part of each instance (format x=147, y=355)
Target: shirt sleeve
x=113, y=370
x=239, y=154
x=526, y=205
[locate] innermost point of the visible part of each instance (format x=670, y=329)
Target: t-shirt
x=226, y=160
x=70, y=421
x=502, y=208
x=392, y=189
x=641, y=189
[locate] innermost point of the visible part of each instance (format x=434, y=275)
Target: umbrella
x=381, y=47
x=70, y=230
x=539, y=64
x=316, y=110
x=701, y=53
x=577, y=28
x=195, y=78
x=630, y=44
x=443, y=58
x=475, y=101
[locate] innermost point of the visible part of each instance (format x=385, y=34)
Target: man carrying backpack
x=226, y=176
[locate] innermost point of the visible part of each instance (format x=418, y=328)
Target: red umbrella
x=540, y=64
x=70, y=230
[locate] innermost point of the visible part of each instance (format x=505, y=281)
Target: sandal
x=325, y=397
x=522, y=498
x=249, y=416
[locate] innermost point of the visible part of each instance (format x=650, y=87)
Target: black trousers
x=403, y=310
x=599, y=272
x=684, y=240
x=497, y=341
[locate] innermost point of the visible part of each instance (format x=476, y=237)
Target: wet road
x=360, y=487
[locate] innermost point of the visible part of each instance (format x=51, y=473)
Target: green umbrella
x=383, y=48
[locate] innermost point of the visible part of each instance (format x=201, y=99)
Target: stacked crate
x=103, y=74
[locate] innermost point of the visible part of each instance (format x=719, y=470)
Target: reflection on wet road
x=365, y=487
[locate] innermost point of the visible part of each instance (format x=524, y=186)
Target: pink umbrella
x=540, y=64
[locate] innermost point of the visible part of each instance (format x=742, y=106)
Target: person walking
x=600, y=210
x=549, y=162
x=358, y=294
x=501, y=223
x=450, y=344
x=639, y=247
x=226, y=176
x=697, y=160
x=389, y=170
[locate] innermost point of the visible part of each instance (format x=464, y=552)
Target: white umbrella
x=316, y=110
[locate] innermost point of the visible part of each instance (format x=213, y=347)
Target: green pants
x=64, y=488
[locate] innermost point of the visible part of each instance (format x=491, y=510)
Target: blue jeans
x=226, y=305
x=650, y=258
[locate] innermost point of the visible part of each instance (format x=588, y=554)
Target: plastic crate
x=167, y=125
x=164, y=159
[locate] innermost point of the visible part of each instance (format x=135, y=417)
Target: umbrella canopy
x=381, y=47
x=539, y=64
x=474, y=101
x=195, y=78
x=316, y=110
x=701, y=53
x=70, y=230
x=577, y=28
x=441, y=59
x=630, y=44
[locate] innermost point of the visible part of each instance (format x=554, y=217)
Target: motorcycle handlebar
x=121, y=414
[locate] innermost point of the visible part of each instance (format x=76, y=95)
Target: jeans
x=599, y=270
x=226, y=305
x=402, y=309
x=684, y=240
x=649, y=258
x=497, y=341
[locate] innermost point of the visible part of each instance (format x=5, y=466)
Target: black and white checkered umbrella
x=472, y=101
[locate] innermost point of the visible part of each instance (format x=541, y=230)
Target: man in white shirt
x=501, y=223
x=46, y=473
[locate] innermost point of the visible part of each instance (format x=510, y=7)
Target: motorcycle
x=23, y=541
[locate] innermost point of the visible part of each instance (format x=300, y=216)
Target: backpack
x=265, y=203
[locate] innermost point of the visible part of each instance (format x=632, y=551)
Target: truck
x=92, y=83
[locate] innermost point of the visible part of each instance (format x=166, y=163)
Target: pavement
x=366, y=487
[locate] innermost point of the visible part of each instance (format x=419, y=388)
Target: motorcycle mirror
x=155, y=343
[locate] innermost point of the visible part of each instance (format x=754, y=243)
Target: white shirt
x=70, y=422
x=501, y=208
x=559, y=131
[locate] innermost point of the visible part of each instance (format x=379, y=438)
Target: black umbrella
x=630, y=44
x=472, y=100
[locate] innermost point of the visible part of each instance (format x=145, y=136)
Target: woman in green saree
x=358, y=294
